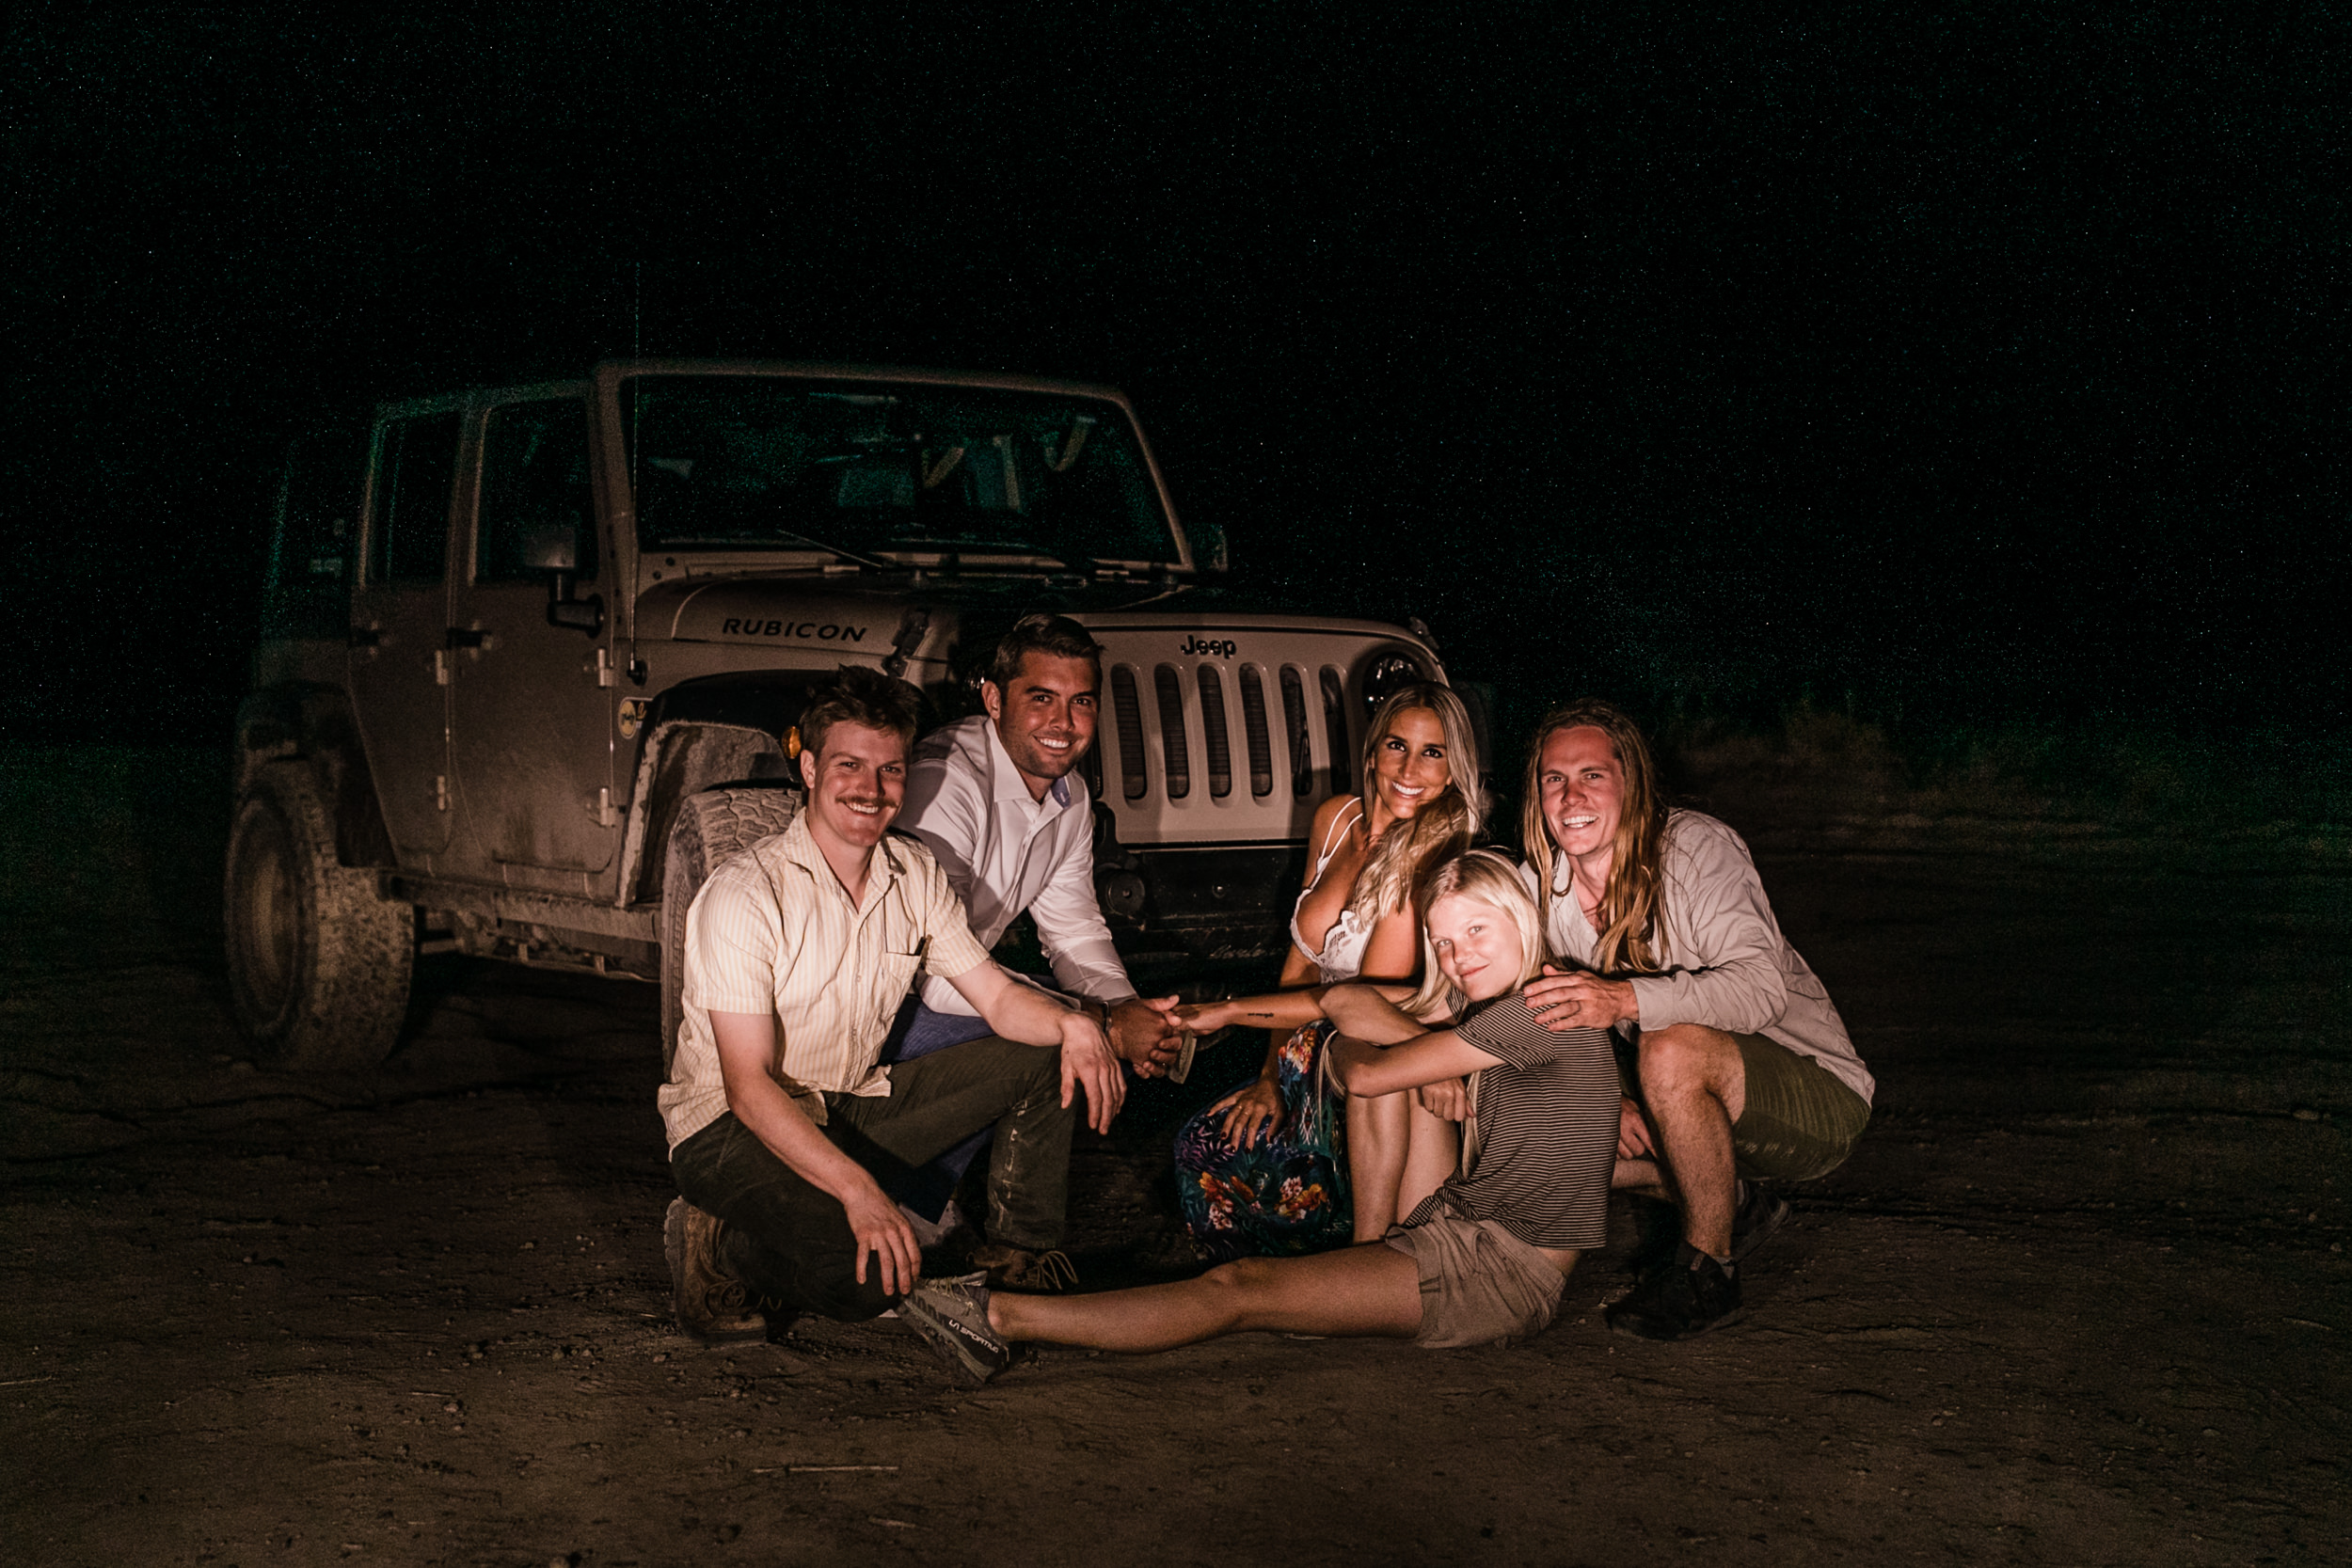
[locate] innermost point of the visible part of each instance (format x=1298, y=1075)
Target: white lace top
x=1350, y=937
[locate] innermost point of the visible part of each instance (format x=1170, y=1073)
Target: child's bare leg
x=1433, y=1145
x=1357, y=1290
x=1377, y=1138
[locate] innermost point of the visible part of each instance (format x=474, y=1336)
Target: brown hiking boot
x=1015, y=1268
x=711, y=1304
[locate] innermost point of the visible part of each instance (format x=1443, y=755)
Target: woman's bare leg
x=1433, y=1146
x=1356, y=1291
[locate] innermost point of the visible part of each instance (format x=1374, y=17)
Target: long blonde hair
x=1628, y=918
x=1484, y=876
x=1444, y=827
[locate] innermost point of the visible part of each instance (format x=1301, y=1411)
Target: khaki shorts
x=1800, y=1120
x=1480, y=1284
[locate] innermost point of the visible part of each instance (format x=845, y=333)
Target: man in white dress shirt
x=997, y=800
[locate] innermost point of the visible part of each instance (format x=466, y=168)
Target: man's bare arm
x=747, y=1044
x=1019, y=1013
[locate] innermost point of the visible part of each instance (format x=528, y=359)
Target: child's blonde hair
x=1484, y=876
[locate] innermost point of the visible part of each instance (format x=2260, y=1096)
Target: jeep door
x=399, y=616
x=532, y=724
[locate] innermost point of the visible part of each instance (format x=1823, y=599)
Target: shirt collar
x=800, y=847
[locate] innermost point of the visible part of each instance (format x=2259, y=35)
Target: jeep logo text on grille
x=821, y=632
x=1207, y=647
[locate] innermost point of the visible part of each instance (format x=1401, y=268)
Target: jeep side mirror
x=564, y=610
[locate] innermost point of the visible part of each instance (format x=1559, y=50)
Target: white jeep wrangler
x=531, y=658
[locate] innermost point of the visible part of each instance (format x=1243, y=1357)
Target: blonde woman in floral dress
x=1287, y=1164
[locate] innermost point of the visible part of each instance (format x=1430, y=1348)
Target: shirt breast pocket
x=897, y=975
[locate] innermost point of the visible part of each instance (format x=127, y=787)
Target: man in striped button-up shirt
x=782, y=1125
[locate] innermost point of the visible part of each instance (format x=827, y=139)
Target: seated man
x=783, y=1126
x=1746, y=1071
x=995, y=799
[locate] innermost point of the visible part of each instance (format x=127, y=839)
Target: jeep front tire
x=319, y=961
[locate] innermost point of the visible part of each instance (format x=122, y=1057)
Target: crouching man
x=783, y=1128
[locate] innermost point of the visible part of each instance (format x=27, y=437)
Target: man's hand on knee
x=1580, y=1000
x=1088, y=1063
x=883, y=1233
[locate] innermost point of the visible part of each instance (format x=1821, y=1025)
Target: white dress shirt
x=1004, y=852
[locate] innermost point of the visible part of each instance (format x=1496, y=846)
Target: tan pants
x=1480, y=1284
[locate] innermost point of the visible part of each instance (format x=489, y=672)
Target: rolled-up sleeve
x=1070, y=923
x=952, y=950
x=1723, y=945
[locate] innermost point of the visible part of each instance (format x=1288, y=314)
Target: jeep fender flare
x=681, y=758
x=313, y=723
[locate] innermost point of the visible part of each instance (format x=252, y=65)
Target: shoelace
x=1046, y=1270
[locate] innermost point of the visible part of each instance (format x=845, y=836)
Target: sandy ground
x=2081, y=1297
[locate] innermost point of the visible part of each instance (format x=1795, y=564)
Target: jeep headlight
x=1389, y=672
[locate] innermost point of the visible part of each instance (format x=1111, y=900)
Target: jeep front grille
x=1169, y=720
x=1221, y=733
x=1253, y=730
x=1212, y=731
x=1130, y=721
x=1174, y=755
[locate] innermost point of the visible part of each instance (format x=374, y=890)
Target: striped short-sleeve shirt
x=773, y=931
x=1545, y=1130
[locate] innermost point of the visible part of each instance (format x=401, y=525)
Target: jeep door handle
x=460, y=638
x=366, y=637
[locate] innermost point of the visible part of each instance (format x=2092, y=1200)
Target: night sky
x=1949, y=367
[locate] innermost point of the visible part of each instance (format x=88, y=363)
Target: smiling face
x=1047, y=718
x=1409, y=763
x=855, y=785
x=1583, y=790
x=1478, y=947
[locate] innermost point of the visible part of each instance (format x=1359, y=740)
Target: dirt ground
x=2081, y=1296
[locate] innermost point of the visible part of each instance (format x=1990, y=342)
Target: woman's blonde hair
x=1484, y=876
x=1443, y=827
x=1630, y=906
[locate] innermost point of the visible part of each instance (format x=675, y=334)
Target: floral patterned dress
x=1287, y=1194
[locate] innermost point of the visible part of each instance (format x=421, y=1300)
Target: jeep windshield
x=859, y=468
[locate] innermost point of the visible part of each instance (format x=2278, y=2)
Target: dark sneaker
x=1014, y=1268
x=951, y=1315
x=711, y=1304
x=1677, y=1301
x=1759, y=1215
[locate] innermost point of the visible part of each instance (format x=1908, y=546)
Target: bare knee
x=1241, y=1276
x=1686, y=1056
x=1383, y=1115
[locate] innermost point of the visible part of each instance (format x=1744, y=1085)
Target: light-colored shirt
x=1005, y=852
x=773, y=931
x=1727, y=964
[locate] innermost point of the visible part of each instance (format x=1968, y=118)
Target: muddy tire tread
x=713, y=827
x=341, y=1001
